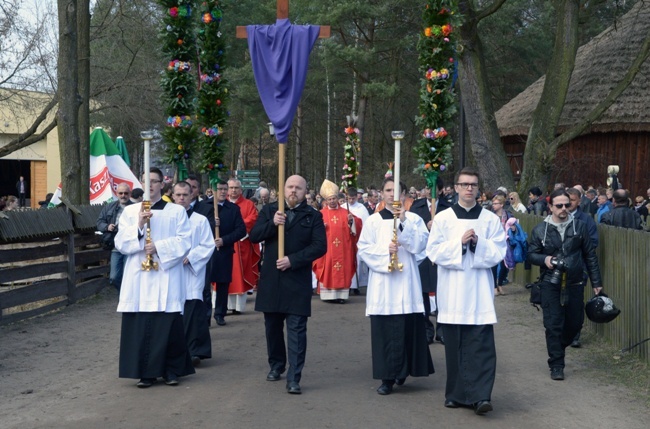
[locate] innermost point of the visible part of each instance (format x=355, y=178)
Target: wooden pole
x=216, y=210
x=282, y=148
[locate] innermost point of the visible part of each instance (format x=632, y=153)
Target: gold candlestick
x=148, y=264
x=394, y=262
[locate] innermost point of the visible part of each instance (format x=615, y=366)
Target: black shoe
x=340, y=301
x=386, y=388
x=196, y=361
x=294, y=388
x=356, y=292
x=235, y=312
x=220, y=320
x=449, y=403
x=429, y=340
x=482, y=407
x=273, y=375
x=557, y=373
x=576, y=344
x=171, y=380
x=440, y=339
x=400, y=381
x=145, y=382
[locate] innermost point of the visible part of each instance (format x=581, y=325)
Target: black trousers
x=296, y=339
x=428, y=324
x=562, y=322
x=471, y=359
x=221, y=303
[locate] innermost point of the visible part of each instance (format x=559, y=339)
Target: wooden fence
x=49, y=259
x=624, y=258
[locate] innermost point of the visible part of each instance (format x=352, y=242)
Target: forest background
x=368, y=68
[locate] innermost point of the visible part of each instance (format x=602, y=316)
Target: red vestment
x=245, y=271
x=335, y=269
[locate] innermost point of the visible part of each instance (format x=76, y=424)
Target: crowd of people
x=431, y=268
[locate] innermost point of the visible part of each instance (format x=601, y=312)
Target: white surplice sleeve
x=444, y=251
x=491, y=247
x=172, y=250
x=203, y=246
x=413, y=236
x=127, y=240
x=371, y=248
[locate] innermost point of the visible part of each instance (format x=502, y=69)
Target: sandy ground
x=60, y=371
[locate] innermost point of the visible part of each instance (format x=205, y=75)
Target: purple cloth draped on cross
x=280, y=57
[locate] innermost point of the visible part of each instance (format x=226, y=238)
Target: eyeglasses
x=154, y=181
x=467, y=185
x=123, y=193
x=559, y=206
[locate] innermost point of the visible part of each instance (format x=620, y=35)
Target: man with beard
x=284, y=292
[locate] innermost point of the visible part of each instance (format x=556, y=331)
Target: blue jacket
x=602, y=210
x=592, y=228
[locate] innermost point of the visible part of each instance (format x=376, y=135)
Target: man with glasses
x=561, y=246
x=247, y=255
x=231, y=229
x=465, y=242
x=107, y=224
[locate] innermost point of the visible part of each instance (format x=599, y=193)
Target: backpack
x=518, y=241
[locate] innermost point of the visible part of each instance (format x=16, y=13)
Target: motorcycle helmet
x=601, y=309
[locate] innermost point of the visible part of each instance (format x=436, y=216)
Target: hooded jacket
x=575, y=249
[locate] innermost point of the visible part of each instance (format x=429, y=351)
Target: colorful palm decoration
x=213, y=97
x=178, y=82
x=351, y=148
x=438, y=102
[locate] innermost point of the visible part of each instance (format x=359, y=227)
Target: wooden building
x=39, y=163
x=621, y=136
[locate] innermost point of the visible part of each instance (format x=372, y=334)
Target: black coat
x=623, y=217
x=575, y=249
x=288, y=291
x=428, y=270
x=231, y=230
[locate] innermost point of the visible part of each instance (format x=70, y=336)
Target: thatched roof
x=600, y=64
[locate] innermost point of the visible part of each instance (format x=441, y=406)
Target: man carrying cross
x=280, y=55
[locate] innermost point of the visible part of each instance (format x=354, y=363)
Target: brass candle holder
x=394, y=262
x=148, y=264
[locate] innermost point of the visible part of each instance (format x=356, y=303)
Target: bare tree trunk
x=69, y=101
x=301, y=115
x=83, y=53
x=485, y=142
x=329, y=123
x=539, y=155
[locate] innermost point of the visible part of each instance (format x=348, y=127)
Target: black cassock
x=470, y=353
x=196, y=327
x=153, y=345
x=399, y=346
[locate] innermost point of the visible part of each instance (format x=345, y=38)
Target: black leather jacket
x=575, y=249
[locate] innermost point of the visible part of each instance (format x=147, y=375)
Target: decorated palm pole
x=212, y=112
x=351, y=149
x=179, y=81
x=438, y=101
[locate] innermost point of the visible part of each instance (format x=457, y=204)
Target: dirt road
x=60, y=371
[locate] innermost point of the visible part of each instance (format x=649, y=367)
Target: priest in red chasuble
x=336, y=268
x=245, y=272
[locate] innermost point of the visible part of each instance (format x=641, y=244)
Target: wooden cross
x=338, y=266
x=282, y=12
x=336, y=242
